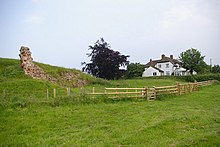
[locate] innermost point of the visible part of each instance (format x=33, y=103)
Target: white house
x=164, y=66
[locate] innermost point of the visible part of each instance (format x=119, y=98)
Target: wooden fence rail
x=152, y=93
x=145, y=92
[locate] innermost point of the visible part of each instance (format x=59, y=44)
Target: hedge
x=199, y=78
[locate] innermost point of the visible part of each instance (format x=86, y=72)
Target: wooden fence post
x=146, y=92
x=47, y=93
x=155, y=92
x=143, y=92
x=136, y=93
x=54, y=92
x=197, y=86
x=178, y=88
x=82, y=91
x=68, y=91
x=189, y=87
x=93, y=90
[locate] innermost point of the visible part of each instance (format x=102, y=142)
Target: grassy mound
x=10, y=69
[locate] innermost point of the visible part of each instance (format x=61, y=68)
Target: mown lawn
x=187, y=120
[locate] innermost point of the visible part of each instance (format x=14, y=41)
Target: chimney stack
x=171, y=56
x=150, y=62
x=162, y=56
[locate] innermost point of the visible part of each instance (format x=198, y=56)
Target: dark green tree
x=216, y=69
x=193, y=60
x=134, y=70
x=105, y=62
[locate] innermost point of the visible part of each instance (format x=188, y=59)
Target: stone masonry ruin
x=65, y=78
x=26, y=62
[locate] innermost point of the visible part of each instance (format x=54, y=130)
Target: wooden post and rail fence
x=145, y=92
x=152, y=93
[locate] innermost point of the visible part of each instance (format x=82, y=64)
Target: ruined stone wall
x=65, y=78
x=26, y=62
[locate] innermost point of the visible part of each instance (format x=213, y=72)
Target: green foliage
x=105, y=62
x=205, y=77
x=134, y=70
x=200, y=77
x=187, y=120
x=193, y=60
x=216, y=69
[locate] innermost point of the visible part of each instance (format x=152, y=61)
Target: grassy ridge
x=188, y=120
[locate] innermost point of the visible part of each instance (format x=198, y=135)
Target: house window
x=154, y=73
x=167, y=65
x=167, y=72
x=159, y=66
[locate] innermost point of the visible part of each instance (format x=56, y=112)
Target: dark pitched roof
x=158, y=69
x=152, y=63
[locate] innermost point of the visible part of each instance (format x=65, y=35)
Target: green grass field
x=187, y=120
x=28, y=118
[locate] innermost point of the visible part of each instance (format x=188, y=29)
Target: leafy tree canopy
x=134, y=70
x=193, y=60
x=105, y=62
x=216, y=69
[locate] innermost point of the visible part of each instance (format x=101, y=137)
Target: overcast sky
x=58, y=32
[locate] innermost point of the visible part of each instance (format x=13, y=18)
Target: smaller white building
x=164, y=66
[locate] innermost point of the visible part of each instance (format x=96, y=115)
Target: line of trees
x=105, y=62
x=215, y=69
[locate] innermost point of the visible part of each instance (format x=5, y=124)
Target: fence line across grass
x=145, y=92
x=152, y=93
x=41, y=93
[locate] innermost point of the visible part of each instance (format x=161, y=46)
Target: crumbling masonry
x=26, y=62
x=65, y=78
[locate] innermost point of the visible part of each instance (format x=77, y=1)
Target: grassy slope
x=190, y=120
x=16, y=84
x=10, y=69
